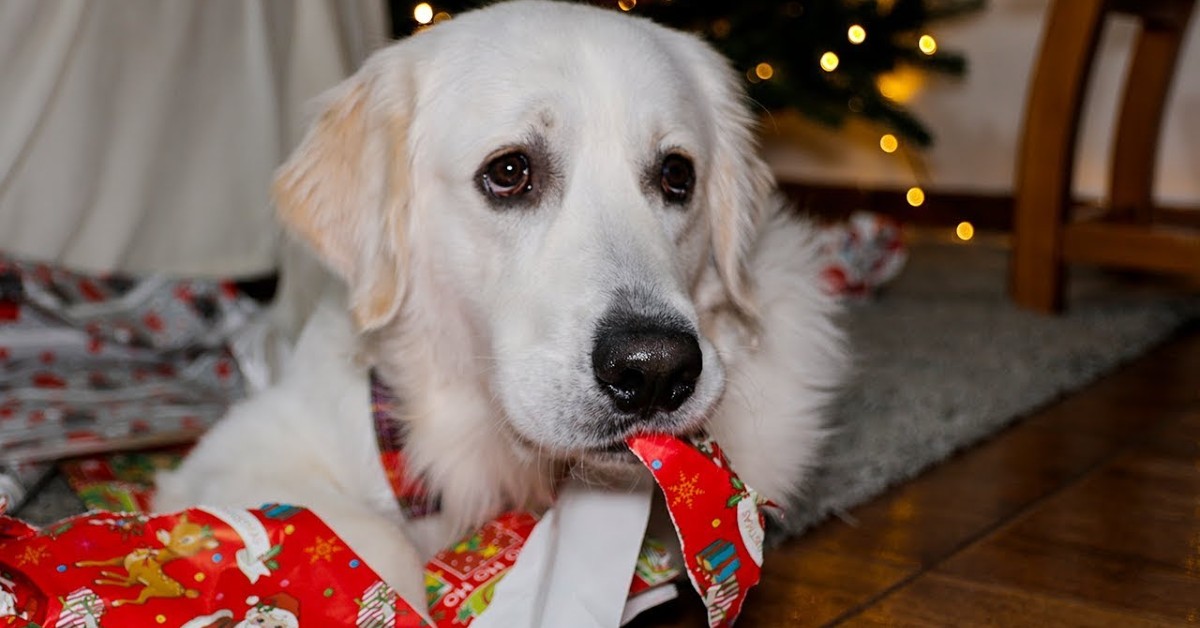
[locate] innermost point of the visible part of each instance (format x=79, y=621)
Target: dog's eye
x=508, y=175
x=678, y=177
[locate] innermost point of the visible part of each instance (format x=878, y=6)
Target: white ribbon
x=576, y=567
x=253, y=535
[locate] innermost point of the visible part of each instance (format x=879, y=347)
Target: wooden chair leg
x=1047, y=154
x=1139, y=127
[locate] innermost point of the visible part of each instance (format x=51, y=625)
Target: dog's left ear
x=740, y=183
x=345, y=189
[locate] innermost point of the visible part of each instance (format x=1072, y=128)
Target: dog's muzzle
x=646, y=365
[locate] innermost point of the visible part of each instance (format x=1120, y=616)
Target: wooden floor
x=1084, y=514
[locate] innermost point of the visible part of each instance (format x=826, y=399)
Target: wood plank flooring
x=1086, y=513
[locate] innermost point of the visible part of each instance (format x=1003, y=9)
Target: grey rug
x=943, y=360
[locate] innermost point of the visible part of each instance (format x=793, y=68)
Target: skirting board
x=989, y=211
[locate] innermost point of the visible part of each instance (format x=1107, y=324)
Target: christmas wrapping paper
x=105, y=362
x=563, y=575
x=202, y=568
x=861, y=254
x=717, y=517
x=460, y=581
x=119, y=482
x=584, y=563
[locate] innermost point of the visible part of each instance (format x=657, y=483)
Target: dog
x=552, y=230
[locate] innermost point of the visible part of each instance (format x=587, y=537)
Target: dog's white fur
x=482, y=315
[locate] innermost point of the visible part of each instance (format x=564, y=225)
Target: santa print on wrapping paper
x=144, y=566
x=8, y=600
x=274, y=611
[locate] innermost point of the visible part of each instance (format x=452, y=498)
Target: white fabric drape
x=140, y=135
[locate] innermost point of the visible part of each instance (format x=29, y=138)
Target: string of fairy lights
x=895, y=87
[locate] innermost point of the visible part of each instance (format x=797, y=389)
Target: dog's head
x=559, y=182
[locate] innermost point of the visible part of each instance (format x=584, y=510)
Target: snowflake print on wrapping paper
x=322, y=549
x=32, y=556
x=686, y=490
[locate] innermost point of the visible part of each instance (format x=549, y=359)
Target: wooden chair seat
x=1129, y=232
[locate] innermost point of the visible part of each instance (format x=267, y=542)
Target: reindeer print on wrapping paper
x=144, y=565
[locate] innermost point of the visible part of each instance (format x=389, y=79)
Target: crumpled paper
x=574, y=566
x=586, y=562
x=861, y=254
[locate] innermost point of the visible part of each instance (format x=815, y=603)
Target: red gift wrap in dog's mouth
x=716, y=516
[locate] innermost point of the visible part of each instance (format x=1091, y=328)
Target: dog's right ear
x=345, y=192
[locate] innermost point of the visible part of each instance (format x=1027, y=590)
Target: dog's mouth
x=615, y=454
x=611, y=455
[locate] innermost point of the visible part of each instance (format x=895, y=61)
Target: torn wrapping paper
x=861, y=254
x=119, y=482
x=718, y=519
x=460, y=581
x=584, y=563
x=576, y=564
x=98, y=363
x=202, y=568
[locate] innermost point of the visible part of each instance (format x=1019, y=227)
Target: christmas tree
x=827, y=59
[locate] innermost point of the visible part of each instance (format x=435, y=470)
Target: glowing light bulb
x=965, y=231
x=764, y=71
x=829, y=61
x=423, y=13
x=915, y=196
x=856, y=34
x=627, y=5
x=927, y=44
x=901, y=84
x=888, y=143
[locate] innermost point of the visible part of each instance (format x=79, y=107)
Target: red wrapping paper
x=202, y=568
x=214, y=568
x=460, y=579
x=716, y=515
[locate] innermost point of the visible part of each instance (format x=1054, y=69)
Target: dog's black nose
x=646, y=367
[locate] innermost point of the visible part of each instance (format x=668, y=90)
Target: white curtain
x=140, y=135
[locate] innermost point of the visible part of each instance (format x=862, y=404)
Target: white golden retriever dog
x=553, y=231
